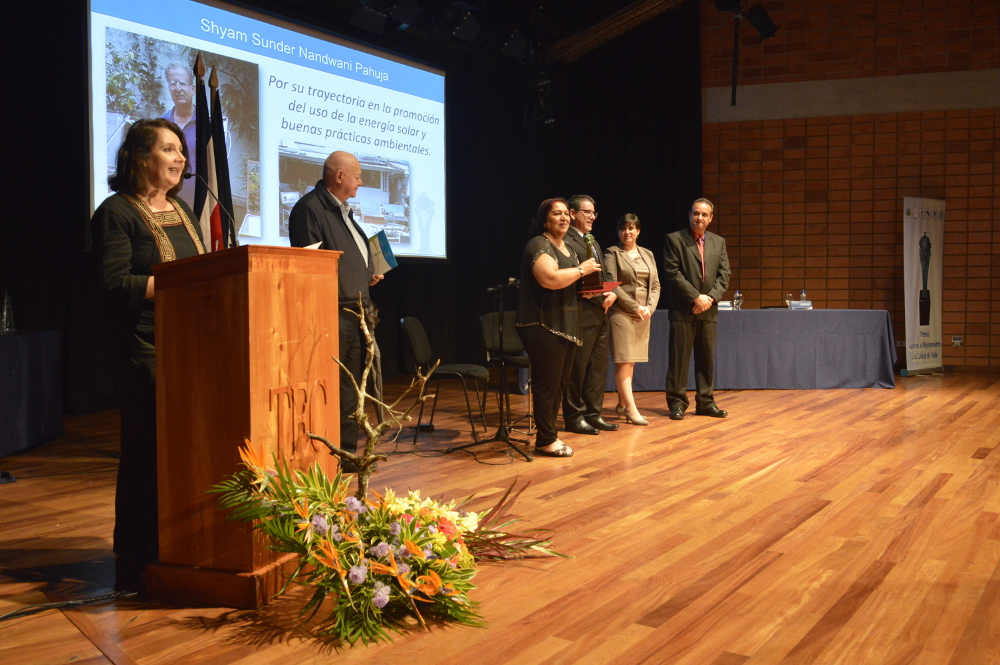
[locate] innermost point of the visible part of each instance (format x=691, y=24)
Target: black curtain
x=627, y=128
x=626, y=131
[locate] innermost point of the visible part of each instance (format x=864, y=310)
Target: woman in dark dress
x=548, y=320
x=138, y=227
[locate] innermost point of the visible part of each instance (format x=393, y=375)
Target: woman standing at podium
x=141, y=225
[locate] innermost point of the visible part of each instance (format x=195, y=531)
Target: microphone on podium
x=191, y=174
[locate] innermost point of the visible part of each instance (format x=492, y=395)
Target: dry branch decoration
x=374, y=566
x=373, y=433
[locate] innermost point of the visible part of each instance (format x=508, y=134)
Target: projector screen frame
x=302, y=27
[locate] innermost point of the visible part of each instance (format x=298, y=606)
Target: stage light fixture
x=466, y=26
x=457, y=20
x=515, y=46
x=405, y=11
x=759, y=19
x=369, y=20
x=728, y=5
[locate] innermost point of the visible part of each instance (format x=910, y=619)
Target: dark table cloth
x=30, y=390
x=784, y=349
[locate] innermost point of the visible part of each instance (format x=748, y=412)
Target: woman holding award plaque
x=548, y=317
x=630, y=314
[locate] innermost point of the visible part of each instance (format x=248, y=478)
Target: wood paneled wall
x=816, y=203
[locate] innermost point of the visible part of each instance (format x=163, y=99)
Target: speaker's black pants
x=133, y=366
x=551, y=358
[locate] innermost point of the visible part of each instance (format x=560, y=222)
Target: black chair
x=415, y=336
x=512, y=351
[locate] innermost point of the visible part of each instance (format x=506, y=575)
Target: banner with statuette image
x=923, y=250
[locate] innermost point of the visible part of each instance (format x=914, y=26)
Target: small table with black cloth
x=782, y=349
x=30, y=390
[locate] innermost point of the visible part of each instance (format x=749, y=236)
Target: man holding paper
x=324, y=220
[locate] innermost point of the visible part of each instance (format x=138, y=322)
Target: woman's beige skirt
x=629, y=338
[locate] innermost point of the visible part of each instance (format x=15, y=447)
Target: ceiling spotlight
x=457, y=20
x=759, y=19
x=515, y=46
x=465, y=26
x=728, y=5
x=405, y=11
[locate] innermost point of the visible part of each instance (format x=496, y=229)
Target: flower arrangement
x=380, y=565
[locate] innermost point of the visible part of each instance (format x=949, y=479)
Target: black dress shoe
x=581, y=427
x=712, y=411
x=677, y=413
x=602, y=424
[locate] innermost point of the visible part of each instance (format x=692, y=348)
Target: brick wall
x=836, y=39
x=816, y=203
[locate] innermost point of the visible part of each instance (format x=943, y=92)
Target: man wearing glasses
x=584, y=396
x=180, y=82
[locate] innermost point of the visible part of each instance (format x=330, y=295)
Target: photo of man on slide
x=180, y=82
x=153, y=78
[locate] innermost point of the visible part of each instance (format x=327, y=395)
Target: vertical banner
x=923, y=249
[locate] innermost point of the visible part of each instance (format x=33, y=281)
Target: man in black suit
x=584, y=396
x=696, y=270
x=324, y=220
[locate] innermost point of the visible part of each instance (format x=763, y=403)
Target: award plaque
x=595, y=280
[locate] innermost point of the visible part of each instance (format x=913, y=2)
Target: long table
x=784, y=349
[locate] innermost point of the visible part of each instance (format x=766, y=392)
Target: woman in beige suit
x=629, y=316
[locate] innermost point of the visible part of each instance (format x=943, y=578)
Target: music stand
x=505, y=428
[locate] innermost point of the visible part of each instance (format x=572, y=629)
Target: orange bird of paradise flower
x=303, y=512
x=431, y=583
x=413, y=549
x=253, y=459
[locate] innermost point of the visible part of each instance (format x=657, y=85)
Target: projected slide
x=290, y=98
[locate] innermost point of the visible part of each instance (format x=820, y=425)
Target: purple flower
x=403, y=568
x=335, y=533
x=429, y=553
x=357, y=574
x=403, y=553
x=320, y=525
x=381, y=596
x=395, y=528
x=354, y=505
x=432, y=528
x=380, y=550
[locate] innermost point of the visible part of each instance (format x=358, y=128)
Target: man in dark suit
x=696, y=270
x=584, y=396
x=324, y=220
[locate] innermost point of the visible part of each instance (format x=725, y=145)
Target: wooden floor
x=838, y=526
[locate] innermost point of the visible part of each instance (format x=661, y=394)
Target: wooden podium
x=245, y=340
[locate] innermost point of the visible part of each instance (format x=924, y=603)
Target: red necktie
x=701, y=250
